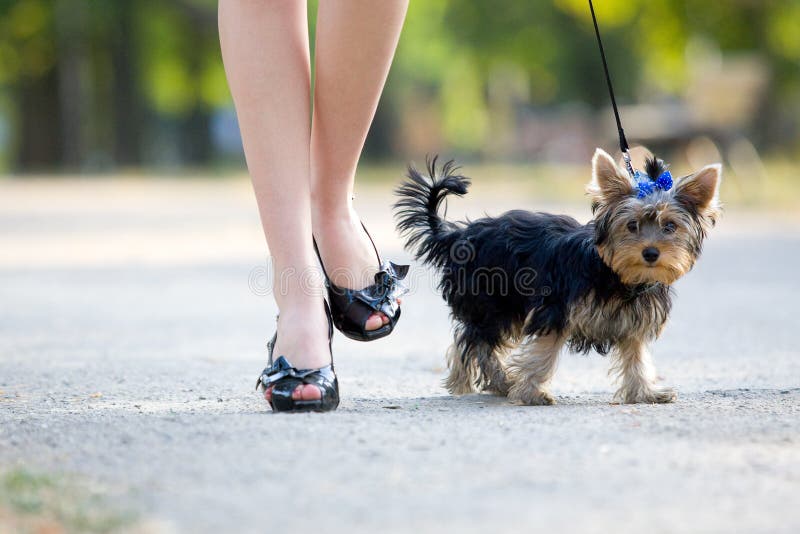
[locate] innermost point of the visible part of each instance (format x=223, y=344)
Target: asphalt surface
x=133, y=324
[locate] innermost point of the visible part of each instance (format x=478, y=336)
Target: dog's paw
x=648, y=396
x=459, y=383
x=459, y=391
x=459, y=388
x=501, y=390
x=663, y=396
x=531, y=396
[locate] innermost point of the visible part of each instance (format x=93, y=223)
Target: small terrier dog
x=523, y=285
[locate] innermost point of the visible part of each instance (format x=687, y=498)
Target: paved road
x=132, y=328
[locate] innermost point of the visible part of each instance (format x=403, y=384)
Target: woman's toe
x=310, y=392
x=306, y=392
x=374, y=322
x=268, y=394
x=384, y=319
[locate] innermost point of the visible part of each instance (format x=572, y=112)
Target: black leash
x=623, y=143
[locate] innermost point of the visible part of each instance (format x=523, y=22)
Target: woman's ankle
x=329, y=208
x=307, y=302
x=303, y=333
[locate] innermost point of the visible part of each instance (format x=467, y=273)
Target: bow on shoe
x=281, y=368
x=386, y=289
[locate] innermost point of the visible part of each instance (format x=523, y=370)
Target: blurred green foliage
x=99, y=84
x=36, y=502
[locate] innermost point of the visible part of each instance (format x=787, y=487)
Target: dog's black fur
x=556, y=250
x=522, y=285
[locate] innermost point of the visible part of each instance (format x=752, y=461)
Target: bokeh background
x=135, y=297
x=98, y=87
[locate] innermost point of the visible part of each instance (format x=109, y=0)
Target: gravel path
x=133, y=327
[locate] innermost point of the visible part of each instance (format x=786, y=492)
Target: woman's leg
x=265, y=51
x=355, y=43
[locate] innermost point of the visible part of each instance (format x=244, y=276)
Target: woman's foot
x=303, y=340
x=348, y=254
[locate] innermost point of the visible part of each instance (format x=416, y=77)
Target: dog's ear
x=609, y=182
x=699, y=191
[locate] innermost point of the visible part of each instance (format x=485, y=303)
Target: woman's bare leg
x=265, y=51
x=356, y=40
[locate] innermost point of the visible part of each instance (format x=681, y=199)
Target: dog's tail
x=428, y=235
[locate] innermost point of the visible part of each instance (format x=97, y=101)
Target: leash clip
x=626, y=156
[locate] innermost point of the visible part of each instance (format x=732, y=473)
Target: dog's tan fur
x=525, y=374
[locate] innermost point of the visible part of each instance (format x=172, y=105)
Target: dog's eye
x=669, y=228
x=633, y=226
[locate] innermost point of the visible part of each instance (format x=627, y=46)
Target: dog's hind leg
x=531, y=367
x=480, y=367
x=493, y=372
x=463, y=369
x=475, y=363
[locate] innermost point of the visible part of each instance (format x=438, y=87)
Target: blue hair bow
x=646, y=185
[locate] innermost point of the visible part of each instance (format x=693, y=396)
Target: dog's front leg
x=531, y=367
x=634, y=365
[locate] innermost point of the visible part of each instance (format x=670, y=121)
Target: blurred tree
x=126, y=93
x=94, y=84
x=28, y=56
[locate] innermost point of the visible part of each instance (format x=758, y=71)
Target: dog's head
x=649, y=229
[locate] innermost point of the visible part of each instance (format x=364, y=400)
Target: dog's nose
x=650, y=254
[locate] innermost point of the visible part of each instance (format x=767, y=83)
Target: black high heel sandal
x=350, y=308
x=283, y=378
